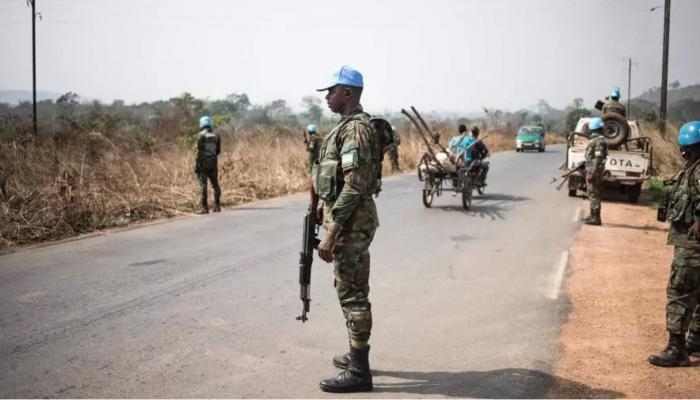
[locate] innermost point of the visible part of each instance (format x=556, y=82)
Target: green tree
x=574, y=115
x=313, y=111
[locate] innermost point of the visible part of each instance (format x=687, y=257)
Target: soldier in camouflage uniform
x=393, y=150
x=206, y=168
x=313, y=144
x=683, y=290
x=345, y=179
x=596, y=153
x=613, y=104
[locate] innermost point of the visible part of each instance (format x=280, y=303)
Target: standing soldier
x=313, y=144
x=208, y=150
x=596, y=153
x=613, y=104
x=393, y=150
x=683, y=290
x=345, y=179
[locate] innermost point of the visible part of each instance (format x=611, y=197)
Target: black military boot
x=203, y=205
x=674, y=355
x=593, y=219
x=356, y=378
x=217, y=205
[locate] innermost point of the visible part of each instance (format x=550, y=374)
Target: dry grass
x=53, y=188
x=667, y=156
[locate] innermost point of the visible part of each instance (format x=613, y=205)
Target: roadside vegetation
x=95, y=166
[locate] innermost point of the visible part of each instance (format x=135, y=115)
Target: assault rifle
x=581, y=166
x=306, y=258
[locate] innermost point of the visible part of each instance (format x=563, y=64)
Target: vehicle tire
x=542, y=149
x=517, y=150
x=420, y=173
x=572, y=192
x=467, y=199
x=616, y=129
x=427, y=198
x=633, y=193
x=466, y=193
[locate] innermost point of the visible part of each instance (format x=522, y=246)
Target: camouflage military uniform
x=393, y=152
x=614, y=106
x=683, y=290
x=346, y=179
x=208, y=150
x=313, y=146
x=596, y=153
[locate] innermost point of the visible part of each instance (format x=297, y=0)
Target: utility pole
x=629, y=86
x=664, y=70
x=33, y=4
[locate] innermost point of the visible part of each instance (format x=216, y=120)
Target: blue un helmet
x=311, y=128
x=595, y=126
x=205, y=122
x=689, y=134
x=615, y=95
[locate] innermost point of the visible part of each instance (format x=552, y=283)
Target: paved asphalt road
x=465, y=303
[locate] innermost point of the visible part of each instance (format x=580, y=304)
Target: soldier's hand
x=327, y=245
x=319, y=214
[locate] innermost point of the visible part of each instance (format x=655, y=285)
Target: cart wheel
x=427, y=198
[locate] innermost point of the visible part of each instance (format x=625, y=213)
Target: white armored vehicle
x=629, y=161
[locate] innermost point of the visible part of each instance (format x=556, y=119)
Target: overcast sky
x=446, y=55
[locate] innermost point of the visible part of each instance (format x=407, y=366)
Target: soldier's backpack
x=385, y=138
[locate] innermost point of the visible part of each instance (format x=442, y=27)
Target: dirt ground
x=616, y=286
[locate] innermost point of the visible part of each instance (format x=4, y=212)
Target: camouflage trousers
x=204, y=175
x=351, y=267
x=683, y=293
x=393, y=154
x=594, y=188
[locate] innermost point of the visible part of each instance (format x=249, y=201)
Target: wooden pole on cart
x=425, y=140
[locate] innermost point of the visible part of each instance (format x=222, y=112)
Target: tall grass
x=58, y=187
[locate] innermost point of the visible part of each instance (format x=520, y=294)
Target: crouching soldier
x=206, y=168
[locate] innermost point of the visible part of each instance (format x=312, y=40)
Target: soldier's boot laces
x=674, y=355
x=342, y=360
x=356, y=378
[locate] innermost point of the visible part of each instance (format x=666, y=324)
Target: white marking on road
x=577, y=214
x=558, y=276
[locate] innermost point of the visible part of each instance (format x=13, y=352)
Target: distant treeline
x=176, y=118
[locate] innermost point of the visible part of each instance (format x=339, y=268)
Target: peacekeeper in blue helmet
x=613, y=105
x=345, y=179
x=595, y=155
x=683, y=290
x=313, y=144
x=206, y=167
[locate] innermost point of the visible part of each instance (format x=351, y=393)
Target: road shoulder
x=616, y=288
